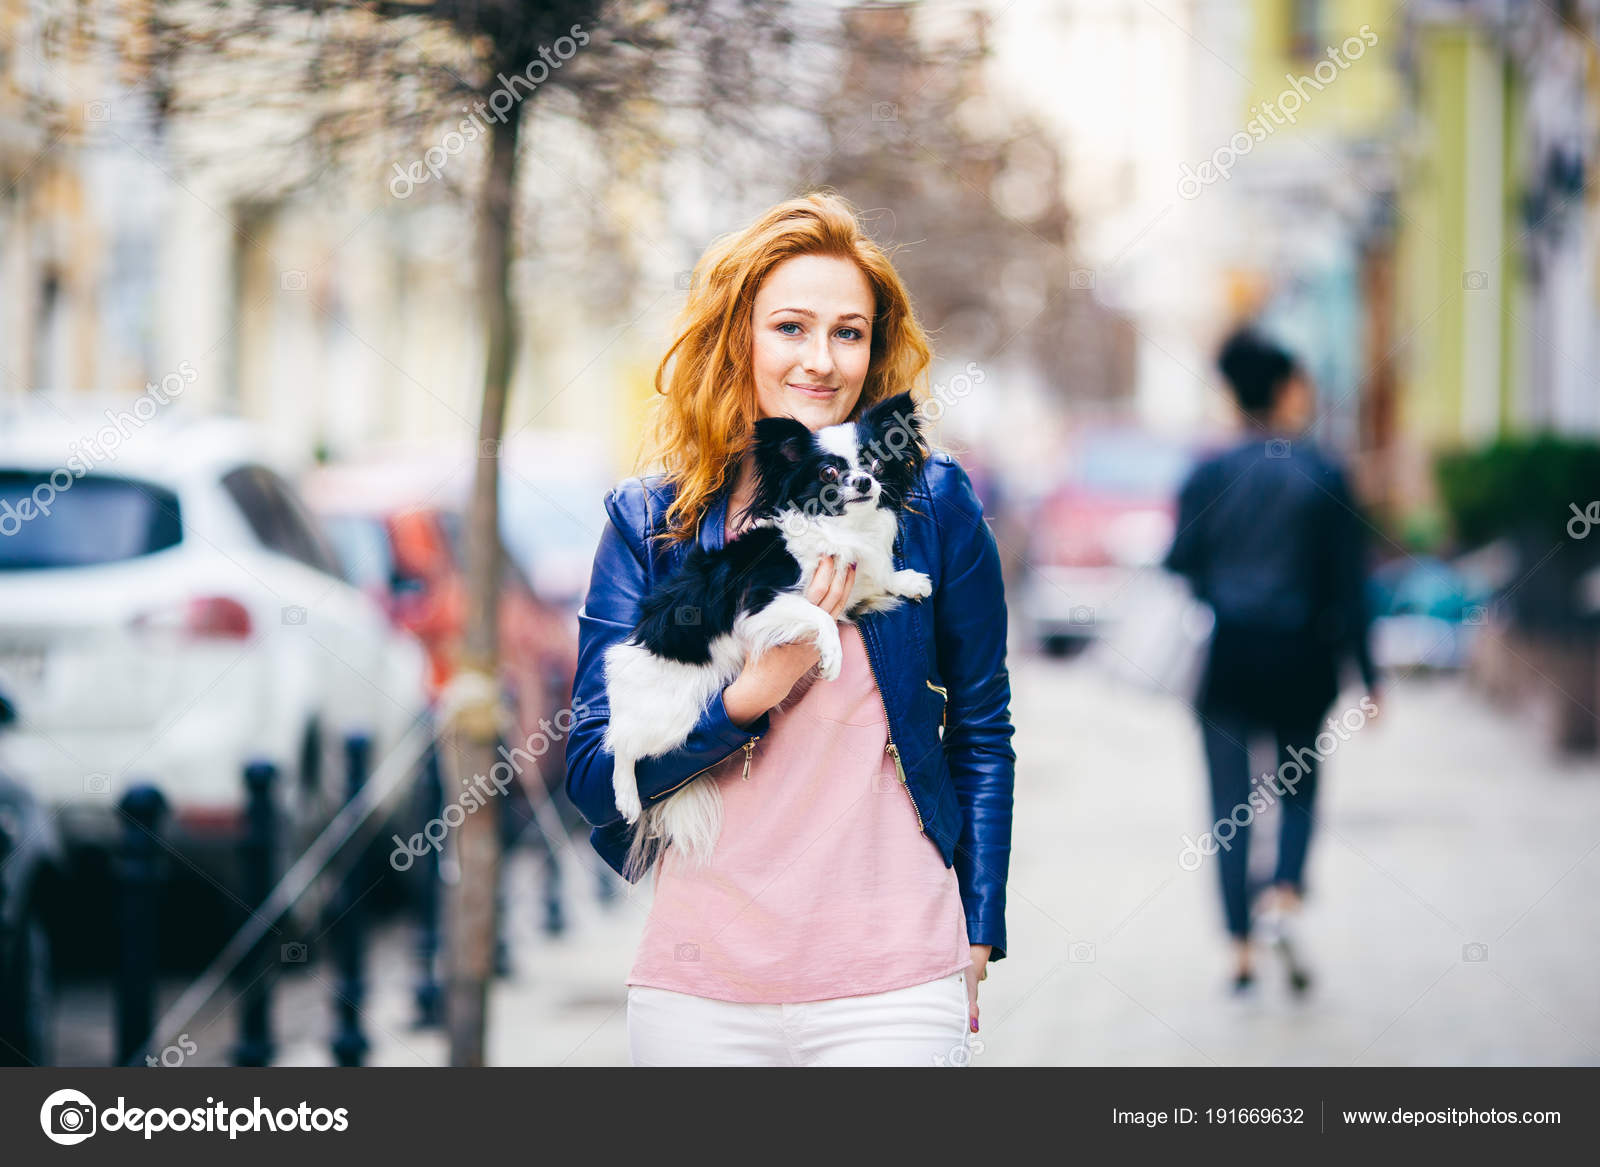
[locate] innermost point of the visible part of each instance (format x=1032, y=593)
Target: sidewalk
x=1448, y=834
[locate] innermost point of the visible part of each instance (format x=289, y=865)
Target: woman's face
x=811, y=340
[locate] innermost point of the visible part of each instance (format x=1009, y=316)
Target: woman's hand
x=976, y=971
x=768, y=679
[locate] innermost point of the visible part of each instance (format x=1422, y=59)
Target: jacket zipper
x=945, y=708
x=749, y=750
x=891, y=749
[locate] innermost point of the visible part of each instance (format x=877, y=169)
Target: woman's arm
x=1186, y=557
x=1349, y=547
x=610, y=611
x=970, y=638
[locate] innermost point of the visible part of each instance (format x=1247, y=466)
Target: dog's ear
x=781, y=440
x=780, y=445
x=897, y=412
x=895, y=427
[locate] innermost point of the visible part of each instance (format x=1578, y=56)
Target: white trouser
x=923, y=1025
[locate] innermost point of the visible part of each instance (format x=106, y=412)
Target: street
x=1450, y=916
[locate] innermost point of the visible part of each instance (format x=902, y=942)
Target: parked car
x=173, y=614
x=31, y=866
x=1426, y=614
x=1109, y=518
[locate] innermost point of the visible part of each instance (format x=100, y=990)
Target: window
x=279, y=519
x=1305, y=29
x=98, y=519
x=362, y=545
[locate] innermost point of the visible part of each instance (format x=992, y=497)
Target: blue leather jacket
x=940, y=665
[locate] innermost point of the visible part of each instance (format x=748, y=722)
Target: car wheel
x=27, y=998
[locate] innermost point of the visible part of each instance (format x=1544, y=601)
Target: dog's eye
x=830, y=474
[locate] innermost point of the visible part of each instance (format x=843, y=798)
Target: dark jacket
x=939, y=663
x=1269, y=535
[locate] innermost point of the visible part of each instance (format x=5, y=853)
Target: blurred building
x=149, y=216
x=74, y=258
x=1204, y=197
x=1499, y=231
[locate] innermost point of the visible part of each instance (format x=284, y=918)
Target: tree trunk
x=473, y=732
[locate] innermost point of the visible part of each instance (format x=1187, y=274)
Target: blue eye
x=856, y=331
x=788, y=324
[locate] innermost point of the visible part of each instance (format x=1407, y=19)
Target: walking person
x=849, y=910
x=1269, y=536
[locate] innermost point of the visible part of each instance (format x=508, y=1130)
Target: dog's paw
x=913, y=584
x=832, y=661
x=628, y=803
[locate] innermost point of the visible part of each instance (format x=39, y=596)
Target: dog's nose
x=863, y=485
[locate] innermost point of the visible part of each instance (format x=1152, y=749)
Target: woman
x=857, y=891
x=1268, y=535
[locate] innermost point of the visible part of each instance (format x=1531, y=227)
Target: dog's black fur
x=703, y=598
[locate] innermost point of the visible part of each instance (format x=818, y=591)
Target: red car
x=1109, y=519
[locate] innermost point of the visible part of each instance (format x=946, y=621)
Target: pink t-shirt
x=821, y=885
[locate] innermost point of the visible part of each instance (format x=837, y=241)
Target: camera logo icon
x=96, y=111
x=686, y=614
x=688, y=952
x=1082, y=614
x=1081, y=279
x=97, y=783
x=885, y=111
x=1474, y=281
x=294, y=614
x=1474, y=953
x=1081, y=953
x=1278, y=448
x=68, y=1117
x=294, y=953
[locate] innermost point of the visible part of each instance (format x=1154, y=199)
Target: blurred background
x=297, y=297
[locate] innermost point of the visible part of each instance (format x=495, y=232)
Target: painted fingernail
x=974, y=1025
x=852, y=567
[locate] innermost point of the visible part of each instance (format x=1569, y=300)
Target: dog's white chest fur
x=863, y=535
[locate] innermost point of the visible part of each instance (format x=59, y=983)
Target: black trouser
x=1236, y=801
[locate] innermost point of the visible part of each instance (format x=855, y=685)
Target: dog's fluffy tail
x=691, y=821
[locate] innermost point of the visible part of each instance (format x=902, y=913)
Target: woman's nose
x=818, y=357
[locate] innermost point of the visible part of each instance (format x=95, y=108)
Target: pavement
x=1451, y=917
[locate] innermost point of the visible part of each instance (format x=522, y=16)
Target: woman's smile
x=815, y=392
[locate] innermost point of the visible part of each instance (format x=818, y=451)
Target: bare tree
x=337, y=80
x=972, y=190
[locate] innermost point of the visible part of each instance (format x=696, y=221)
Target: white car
x=173, y=615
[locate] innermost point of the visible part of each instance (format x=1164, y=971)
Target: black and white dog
x=839, y=491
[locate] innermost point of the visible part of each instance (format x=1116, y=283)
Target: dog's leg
x=625, y=788
x=912, y=584
x=791, y=618
x=654, y=706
